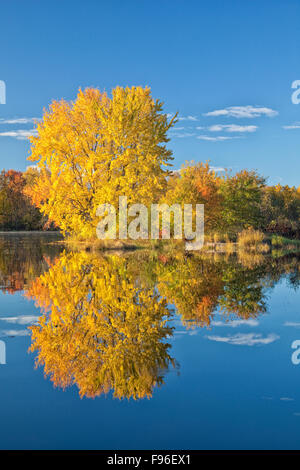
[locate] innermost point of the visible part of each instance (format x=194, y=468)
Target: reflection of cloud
x=240, y=339
x=14, y=332
x=296, y=414
x=21, y=320
x=25, y=120
x=19, y=134
x=243, y=112
x=291, y=323
x=235, y=323
x=286, y=399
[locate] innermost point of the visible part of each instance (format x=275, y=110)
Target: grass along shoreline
x=248, y=241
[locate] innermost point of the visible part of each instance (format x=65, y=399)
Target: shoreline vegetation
x=247, y=241
x=247, y=245
x=98, y=148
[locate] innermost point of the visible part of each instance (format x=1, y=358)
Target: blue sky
x=198, y=57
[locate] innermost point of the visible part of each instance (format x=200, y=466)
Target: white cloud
x=290, y=323
x=212, y=168
x=217, y=168
x=241, y=339
x=286, y=399
x=235, y=323
x=218, y=138
x=19, y=134
x=296, y=125
x=14, y=333
x=243, y=112
x=182, y=135
x=183, y=118
x=25, y=120
x=21, y=320
x=186, y=332
x=33, y=167
x=187, y=118
x=231, y=128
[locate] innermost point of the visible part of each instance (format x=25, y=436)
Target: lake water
x=147, y=350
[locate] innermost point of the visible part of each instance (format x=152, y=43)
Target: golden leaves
x=96, y=149
x=104, y=331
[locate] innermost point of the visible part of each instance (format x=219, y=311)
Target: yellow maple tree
x=95, y=149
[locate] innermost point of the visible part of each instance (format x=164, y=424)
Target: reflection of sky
x=226, y=395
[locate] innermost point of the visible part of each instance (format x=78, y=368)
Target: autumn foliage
x=100, y=330
x=98, y=148
x=16, y=209
x=197, y=184
x=95, y=149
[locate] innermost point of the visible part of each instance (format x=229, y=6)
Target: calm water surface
x=144, y=350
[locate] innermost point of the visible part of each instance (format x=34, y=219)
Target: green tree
x=242, y=195
x=281, y=210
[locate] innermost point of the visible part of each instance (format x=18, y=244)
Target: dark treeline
x=17, y=212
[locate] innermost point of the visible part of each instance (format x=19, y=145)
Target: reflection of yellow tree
x=105, y=327
x=22, y=259
x=103, y=331
x=193, y=286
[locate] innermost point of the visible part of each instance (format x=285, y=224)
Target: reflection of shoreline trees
x=105, y=324
x=103, y=331
x=23, y=259
x=198, y=285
